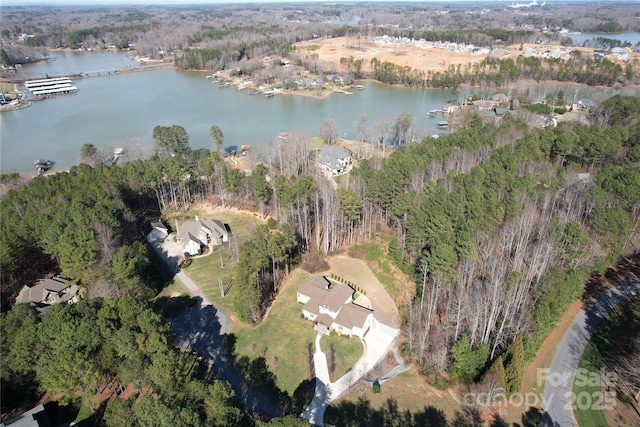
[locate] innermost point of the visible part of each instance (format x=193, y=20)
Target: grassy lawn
x=347, y=351
x=409, y=390
x=174, y=287
x=394, y=281
x=282, y=338
x=85, y=410
x=207, y=270
x=587, y=397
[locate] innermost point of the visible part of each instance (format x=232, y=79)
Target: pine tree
x=498, y=369
x=514, y=370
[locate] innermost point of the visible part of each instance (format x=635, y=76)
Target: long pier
x=99, y=73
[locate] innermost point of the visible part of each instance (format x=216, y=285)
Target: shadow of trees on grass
x=361, y=414
x=257, y=376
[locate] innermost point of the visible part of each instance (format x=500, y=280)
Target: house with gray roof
x=46, y=292
x=193, y=235
x=36, y=417
x=331, y=308
x=334, y=159
x=155, y=231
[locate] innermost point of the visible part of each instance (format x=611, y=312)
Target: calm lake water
x=633, y=38
x=121, y=110
x=112, y=111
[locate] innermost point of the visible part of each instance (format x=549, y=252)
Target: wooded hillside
x=500, y=225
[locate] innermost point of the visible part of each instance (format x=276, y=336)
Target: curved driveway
x=562, y=371
x=203, y=329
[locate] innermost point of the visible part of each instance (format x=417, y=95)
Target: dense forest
x=499, y=225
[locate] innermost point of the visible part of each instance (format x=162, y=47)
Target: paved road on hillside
x=199, y=329
x=203, y=329
x=562, y=371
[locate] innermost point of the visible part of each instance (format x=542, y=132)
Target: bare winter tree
x=329, y=130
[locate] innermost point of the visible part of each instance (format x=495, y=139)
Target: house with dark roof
x=331, y=308
x=334, y=159
x=46, y=292
x=193, y=235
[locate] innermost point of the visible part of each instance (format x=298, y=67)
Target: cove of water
x=121, y=110
x=117, y=110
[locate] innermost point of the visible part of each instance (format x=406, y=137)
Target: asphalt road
x=203, y=329
x=558, y=395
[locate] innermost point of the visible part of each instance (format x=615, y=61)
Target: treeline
x=501, y=233
x=77, y=224
x=119, y=348
x=494, y=72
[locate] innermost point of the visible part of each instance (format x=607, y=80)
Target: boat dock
x=50, y=86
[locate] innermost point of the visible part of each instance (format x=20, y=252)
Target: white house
x=330, y=306
x=334, y=159
x=193, y=235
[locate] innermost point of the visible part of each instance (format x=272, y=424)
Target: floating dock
x=50, y=86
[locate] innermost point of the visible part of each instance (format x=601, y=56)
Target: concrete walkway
x=558, y=390
x=376, y=344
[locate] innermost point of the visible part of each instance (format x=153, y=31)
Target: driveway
x=558, y=390
x=203, y=329
x=377, y=342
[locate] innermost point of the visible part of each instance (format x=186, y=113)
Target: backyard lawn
x=347, y=351
x=282, y=338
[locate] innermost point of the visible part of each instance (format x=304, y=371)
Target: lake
x=578, y=39
x=113, y=111
x=122, y=110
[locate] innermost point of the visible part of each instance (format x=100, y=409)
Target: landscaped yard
x=282, y=338
x=206, y=271
x=347, y=351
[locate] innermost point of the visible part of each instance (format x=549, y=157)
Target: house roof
x=330, y=154
x=44, y=288
x=36, y=417
x=320, y=294
x=191, y=230
x=314, y=287
x=353, y=315
x=155, y=227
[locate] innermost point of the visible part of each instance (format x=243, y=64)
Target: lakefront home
x=334, y=159
x=330, y=306
x=193, y=235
